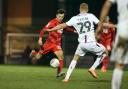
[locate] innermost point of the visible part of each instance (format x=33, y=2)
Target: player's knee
x=60, y=57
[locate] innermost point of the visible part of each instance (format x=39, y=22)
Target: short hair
x=84, y=6
x=60, y=11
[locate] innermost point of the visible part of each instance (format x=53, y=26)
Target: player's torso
x=106, y=36
x=85, y=28
x=54, y=36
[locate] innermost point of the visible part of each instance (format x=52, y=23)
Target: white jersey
x=122, y=6
x=84, y=25
x=122, y=28
x=120, y=54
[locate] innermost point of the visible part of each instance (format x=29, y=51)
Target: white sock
x=98, y=61
x=117, y=78
x=70, y=69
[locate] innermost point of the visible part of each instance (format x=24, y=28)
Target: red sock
x=105, y=61
x=60, y=66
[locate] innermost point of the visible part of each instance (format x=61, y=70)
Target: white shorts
x=120, y=50
x=122, y=29
x=93, y=47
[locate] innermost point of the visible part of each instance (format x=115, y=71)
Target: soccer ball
x=54, y=62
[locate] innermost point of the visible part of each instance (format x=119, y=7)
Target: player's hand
x=98, y=30
x=40, y=41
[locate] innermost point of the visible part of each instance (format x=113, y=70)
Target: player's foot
x=93, y=73
x=65, y=80
x=60, y=75
x=103, y=69
x=32, y=53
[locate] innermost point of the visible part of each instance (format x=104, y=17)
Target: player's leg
x=117, y=76
x=60, y=56
x=105, y=64
x=71, y=67
x=79, y=52
x=32, y=53
x=99, y=50
x=121, y=58
x=44, y=49
x=36, y=57
x=96, y=64
x=120, y=54
x=105, y=61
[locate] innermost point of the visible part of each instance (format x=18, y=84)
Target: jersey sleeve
x=49, y=25
x=71, y=22
x=95, y=19
x=41, y=34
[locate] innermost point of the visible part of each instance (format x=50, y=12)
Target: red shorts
x=50, y=47
x=107, y=46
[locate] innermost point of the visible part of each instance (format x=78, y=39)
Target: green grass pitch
x=39, y=77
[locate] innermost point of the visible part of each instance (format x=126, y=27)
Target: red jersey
x=107, y=37
x=54, y=36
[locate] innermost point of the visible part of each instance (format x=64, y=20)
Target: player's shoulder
x=53, y=21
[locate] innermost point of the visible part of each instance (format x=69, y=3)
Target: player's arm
x=58, y=27
x=70, y=29
x=63, y=25
x=40, y=37
x=104, y=12
x=43, y=31
x=103, y=25
x=109, y=25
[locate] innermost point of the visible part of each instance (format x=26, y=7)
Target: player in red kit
x=53, y=42
x=106, y=39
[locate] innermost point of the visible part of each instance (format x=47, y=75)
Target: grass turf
x=39, y=77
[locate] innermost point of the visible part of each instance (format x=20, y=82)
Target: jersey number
x=86, y=24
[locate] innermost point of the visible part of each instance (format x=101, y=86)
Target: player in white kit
x=120, y=50
x=84, y=25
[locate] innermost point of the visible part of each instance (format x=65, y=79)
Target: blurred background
x=22, y=20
